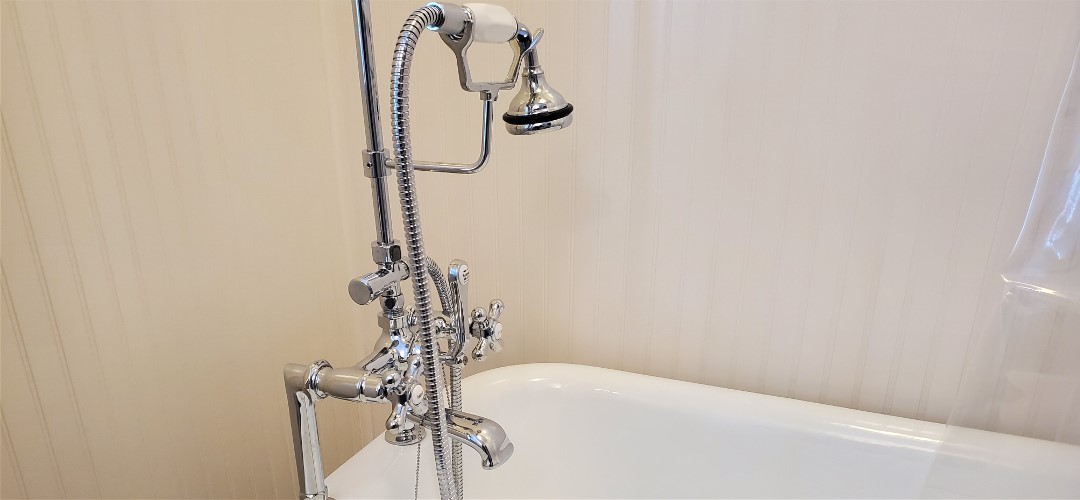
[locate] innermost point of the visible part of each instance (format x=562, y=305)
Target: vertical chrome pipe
x=376, y=156
x=366, y=67
x=305, y=432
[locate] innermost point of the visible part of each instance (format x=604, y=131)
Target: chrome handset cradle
x=459, y=32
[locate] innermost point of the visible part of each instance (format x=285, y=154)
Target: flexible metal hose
x=455, y=447
x=414, y=238
x=443, y=289
x=441, y=285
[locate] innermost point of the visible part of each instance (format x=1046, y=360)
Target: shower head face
x=537, y=107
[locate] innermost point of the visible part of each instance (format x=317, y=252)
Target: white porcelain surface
x=582, y=431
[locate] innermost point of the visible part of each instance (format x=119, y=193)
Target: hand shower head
x=537, y=107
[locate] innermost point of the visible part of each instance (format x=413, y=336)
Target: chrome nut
x=391, y=380
x=385, y=254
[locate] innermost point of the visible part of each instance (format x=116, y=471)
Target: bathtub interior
x=585, y=432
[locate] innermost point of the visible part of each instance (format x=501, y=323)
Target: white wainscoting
x=807, y=199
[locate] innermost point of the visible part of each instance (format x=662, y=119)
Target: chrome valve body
x=392, y=373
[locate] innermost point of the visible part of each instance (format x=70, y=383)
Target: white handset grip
x=492, y=23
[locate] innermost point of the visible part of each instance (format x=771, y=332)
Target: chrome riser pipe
x=376, y=169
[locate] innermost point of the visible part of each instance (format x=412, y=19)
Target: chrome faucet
x=391, y=373
x=405, y=366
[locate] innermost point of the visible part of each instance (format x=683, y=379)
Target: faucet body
x=391, y=373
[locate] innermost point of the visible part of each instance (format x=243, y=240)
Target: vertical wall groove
x=9, y=308
x=32, y=239
x=10, y=457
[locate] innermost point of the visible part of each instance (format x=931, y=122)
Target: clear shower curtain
x=1022, y=373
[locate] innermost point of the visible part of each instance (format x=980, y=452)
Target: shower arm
x=464, y=168
x=523, y=44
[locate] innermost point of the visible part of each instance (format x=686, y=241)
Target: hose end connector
x=452, y=18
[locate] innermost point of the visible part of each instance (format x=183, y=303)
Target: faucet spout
x=482, y=434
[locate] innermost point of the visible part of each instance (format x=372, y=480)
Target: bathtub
x=586, y=432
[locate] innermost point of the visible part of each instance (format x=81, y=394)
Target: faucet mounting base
x=406, y=437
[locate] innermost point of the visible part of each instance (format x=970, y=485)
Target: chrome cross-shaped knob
x=487, y=329
x=406, y=394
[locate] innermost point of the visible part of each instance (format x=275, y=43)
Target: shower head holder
x=520, y=43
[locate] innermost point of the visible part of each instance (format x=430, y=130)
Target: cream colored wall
x=172, y=234
x=809, y=199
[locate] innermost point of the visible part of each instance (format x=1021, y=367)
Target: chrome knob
x=487, y=329
x=399, y=410
x=392, y=381
x=478, y=316
x=478, y=352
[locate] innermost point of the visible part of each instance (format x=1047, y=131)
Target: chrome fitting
x=383, y=253
x=370, y=286
x=351, y=384
x=311, y=380
x=397, y=320
x=375, y=164
x=406, y=437
x=453, y=19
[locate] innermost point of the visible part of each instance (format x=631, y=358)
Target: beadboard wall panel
x=171, y=236
x=807, y=199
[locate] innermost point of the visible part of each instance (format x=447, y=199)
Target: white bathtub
x=585, y=432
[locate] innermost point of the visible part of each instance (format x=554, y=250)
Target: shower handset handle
x=484, y=23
